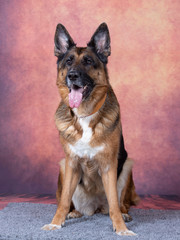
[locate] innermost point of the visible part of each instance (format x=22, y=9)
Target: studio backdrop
x=143, y=70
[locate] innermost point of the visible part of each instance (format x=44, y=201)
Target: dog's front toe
x=126, y=233
x=51, y=227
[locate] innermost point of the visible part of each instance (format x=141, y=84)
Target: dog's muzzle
x=76, y=88
x=80, y=86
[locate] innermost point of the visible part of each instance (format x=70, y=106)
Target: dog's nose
x=73, y=75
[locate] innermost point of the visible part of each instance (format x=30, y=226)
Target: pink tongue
x=75, y=97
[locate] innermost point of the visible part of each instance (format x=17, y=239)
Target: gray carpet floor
x=23, y=221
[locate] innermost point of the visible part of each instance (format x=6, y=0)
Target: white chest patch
x=82, y=147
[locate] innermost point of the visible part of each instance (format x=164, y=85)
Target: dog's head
x=82, y=75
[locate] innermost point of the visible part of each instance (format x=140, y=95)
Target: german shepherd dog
x=96, y=174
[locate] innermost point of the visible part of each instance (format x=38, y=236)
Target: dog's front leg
x=70, y=182
x=109, y=179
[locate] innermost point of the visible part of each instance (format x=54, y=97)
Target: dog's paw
x=126, y=233
x=126, y=217
x=51, y=227
x=74, y=214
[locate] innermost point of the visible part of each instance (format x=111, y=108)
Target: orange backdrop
x=143, y=69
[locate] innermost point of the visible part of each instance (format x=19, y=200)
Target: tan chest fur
x=83, y=147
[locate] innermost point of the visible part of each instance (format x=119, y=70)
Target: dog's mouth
x=76, y=95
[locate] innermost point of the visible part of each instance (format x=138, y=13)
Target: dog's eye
x=87, y=61
x=69, y=61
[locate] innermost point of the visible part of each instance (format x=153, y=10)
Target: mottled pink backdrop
x=143, y=70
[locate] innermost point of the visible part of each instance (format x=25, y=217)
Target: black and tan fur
x=98, y=179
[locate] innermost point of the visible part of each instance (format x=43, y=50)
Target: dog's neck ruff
x=99, y=105
x=96, y=109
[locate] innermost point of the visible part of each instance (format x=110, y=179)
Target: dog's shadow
x=96, y=217
x=140, y=216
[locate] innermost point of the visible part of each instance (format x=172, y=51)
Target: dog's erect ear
x=100, y=42
x=62, y=40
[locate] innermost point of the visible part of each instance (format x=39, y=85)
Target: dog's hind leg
x=129, y=196
x=126, y=190
x=124, y=207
